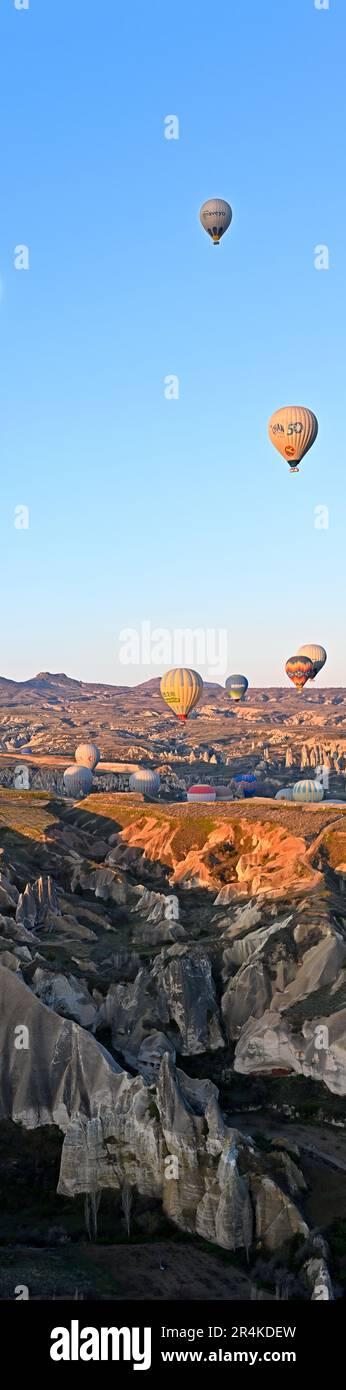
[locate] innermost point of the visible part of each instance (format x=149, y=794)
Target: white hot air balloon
x=285, y=794
x=215, y=216
x=146, y=781
x=316, y=654
x=77, y=780
x=88, y=754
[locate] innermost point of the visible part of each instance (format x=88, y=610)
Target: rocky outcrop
x=246, y=997
x=131, y=1012
x=35, y=904
x=8, y=894
x=66, y=995
x=106, y=883
x=277, y=1218
x=184, y=979
x=176, y=997
x=238, y=858
x=272, y=1045
x=169, y=1141
x=318, y=1277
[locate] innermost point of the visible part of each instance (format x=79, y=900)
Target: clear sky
x=178, y=513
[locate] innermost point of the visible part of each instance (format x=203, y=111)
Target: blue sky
x=177, y=512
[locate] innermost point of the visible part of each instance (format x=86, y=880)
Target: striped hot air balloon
x=293, y=430
x=316, y=654
x=202, y=792
x=300, y=670
x=215, y=216
x=88, y=754
x=181, y=689
x=308, y=790
x=145, y=780
x=236, y=687
x=77, y=780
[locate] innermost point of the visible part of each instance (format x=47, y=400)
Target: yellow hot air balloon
x=316, y=654
x=293, y=430
x=215, y=216
x=181, y=689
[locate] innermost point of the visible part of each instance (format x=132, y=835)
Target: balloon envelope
x=308, y=791
x=293, y=430
x=285, y=794
x=300, y=670
x=202, y=792
x=88, y=754
x=236, y=687
x=245, y=777
x=181, y=688
x=77, y=780
x=248, y=782
x=223, y=792
x=316, y=654
x=145, y=780
x=215, y=216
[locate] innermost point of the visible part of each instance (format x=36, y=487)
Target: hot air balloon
x=215, y=216
x=316, y=654
x=77, y=780
x=236, y=687
x=145, y=780
x=300, y=670
x=247, y=777
x=248, y=782
x=201, y=793
x=223, y=792
x=285, y=794
x=293, y=430
x=181, y=689
x=308, y=791
x=88, y=754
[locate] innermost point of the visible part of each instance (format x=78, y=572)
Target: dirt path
x=322, y=1141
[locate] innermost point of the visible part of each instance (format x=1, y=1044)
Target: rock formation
x=169, y=1141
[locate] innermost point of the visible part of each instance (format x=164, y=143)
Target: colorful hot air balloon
x=77, y=780
x=145, y=780
x=293, y=430
x=236, y=687
x=308, y=791
x=316, y=654
x=181, y=689
x=300, y=670
x=215, y=216
x=203, y=792
x=248, y=782
x=88, y=754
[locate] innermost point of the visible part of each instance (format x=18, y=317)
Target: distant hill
x=55, y=687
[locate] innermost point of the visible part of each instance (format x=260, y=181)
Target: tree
x=91, y=1206
x=127, y=1203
